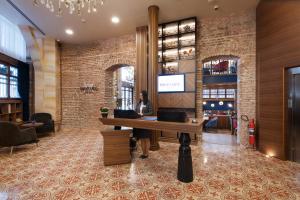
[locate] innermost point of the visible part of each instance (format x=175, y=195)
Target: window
x=8, y=82
x=220, y=67
x=127, y=74
x=218, y=93
x=127, y=98
x=221, y=93
x=213, y=93
x=205, y=94
x=12, y=42
x=230, y=93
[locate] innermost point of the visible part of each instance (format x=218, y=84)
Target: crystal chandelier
x=71, y=5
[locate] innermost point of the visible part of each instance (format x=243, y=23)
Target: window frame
x=217, y=93
x=126, y=90
x=8, y=76
x=210, y=63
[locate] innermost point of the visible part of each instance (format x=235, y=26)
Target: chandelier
x=73, y=6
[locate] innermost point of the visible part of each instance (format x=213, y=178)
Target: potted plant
x=104, y=112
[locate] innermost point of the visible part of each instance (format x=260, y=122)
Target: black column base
x=185, y=165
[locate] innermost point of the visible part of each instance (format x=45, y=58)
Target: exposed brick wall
x=232, y=35
x=91, y=63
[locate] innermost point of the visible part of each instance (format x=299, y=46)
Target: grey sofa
x=11, y=135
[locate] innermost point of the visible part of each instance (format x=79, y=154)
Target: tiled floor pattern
x=69, y=166
x=219, y=138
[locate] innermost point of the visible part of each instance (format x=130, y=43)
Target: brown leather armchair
x=11, y=135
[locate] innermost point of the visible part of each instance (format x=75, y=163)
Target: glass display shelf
x=187, y=26
x=170, y=68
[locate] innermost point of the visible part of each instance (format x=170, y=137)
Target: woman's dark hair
x=145, y=97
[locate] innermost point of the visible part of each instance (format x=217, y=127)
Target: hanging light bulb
x=212, y=105
x=35, y=3
x=59, y=13
x=221, y=103
x=51, y=7
x=89, y=7
x=48, y=4
x=94, y=9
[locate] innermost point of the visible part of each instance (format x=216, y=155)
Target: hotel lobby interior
x=149, y=99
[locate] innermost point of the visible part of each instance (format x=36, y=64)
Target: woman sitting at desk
x=143, y=108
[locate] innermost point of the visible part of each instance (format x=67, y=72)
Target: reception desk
x=185, y=166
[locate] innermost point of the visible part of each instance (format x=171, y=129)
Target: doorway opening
x=220, y=99
x=292, y=113
x=123, y=88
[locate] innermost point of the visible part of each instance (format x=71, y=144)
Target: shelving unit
x=11, y=110
x=177, y=41
x=177, y=55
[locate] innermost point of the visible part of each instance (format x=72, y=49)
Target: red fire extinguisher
x=251, y=131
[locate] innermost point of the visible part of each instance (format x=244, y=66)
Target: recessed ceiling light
x=69, y=31
x=115, y=20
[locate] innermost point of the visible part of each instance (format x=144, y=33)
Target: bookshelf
x=11, y=110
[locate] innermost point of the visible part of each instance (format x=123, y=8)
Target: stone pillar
x=44, y=53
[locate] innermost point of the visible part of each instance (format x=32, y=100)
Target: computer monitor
x=130, y=114
x=171, y=116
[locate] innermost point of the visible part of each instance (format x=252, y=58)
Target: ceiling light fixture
x=115, y=20
x=71, y=5
x=69, y=31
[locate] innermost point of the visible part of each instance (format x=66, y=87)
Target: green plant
x=104, y=109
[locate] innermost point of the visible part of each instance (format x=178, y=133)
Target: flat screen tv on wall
x=171, y=83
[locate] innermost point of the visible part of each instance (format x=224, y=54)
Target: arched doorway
x=120, y=86
x=123, y=90
x=220, y=99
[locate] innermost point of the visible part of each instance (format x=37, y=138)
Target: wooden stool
x=116, y=149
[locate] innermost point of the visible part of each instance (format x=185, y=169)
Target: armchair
x=11, y=135
x=46, y=119
x=212, y=123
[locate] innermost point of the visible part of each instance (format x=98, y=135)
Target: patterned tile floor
x=69, y=166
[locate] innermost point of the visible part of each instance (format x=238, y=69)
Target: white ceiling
x=132, y=13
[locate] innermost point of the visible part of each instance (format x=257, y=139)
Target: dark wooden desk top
x=185, y=127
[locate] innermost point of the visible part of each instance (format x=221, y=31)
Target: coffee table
x=32, y=124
